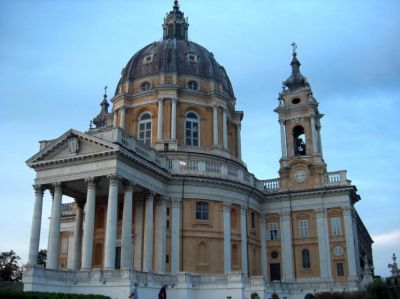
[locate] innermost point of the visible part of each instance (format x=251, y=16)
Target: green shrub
x=377, y=289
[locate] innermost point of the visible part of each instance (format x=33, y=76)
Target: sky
x=56, y=57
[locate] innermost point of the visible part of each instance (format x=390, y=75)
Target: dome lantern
x=175, y=25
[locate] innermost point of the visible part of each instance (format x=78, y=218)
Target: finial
x=176, y=4
x=293, y=44
x=105, y=91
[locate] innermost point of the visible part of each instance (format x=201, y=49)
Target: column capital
x=91, y=182
x=176, y=202
x=160, y=99
x=123, y=107
x=243, y=210
x=129, y=185
x=39, y=189
x=150, y=195
x=227, y=207
x=320, y=212
x=162, y=200
x=261, y=219
x=57, y=185
x=174, y=99
x=113, y=178
x=285, y=215
x=347, y=210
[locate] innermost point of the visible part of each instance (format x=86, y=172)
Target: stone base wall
x=117, y=283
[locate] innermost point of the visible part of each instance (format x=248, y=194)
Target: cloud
x=387, y=239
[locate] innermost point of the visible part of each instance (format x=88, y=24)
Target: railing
x=337, y=178
x=212, y=169
x=68, y=208
x=271, y=185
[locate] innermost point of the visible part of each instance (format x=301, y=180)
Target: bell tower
x=302, y=165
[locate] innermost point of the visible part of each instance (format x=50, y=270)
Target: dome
x=175, y=54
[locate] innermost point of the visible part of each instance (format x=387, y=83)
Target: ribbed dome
x=175, y=56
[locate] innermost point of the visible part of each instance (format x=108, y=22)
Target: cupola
x=175, y=25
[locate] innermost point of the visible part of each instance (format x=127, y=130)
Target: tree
x=42, y=257
x=9, y=268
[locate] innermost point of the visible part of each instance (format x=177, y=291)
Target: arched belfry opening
x=299, y=141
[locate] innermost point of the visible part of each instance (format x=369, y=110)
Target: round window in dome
x=145, y=86
x=192, y=85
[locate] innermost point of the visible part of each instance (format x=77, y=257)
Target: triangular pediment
x=72, y=145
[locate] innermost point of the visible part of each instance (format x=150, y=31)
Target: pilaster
x=176, y=235
x=227, y=237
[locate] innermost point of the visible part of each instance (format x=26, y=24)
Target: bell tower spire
x=175, y=25
x=302, y=165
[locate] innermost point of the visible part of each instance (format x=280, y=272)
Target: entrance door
x=118, y=258
x=275, y=271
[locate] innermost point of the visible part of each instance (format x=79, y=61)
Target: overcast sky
x=56, y=57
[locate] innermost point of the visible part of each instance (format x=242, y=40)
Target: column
x=323, y=244
x=215, y=125
x=148, y=234
x=263, y=246
x=227, y=237
x=243, y=231
x=36, y=225
x=115, y=119
x=351, y=247
x=224, y=129
x=111, y=224
x=161, y=234
x=286, y=245
x=54, y=231
x=314, y=135
x=88, y=225
x=238, y=142
x=138, y=254
x=173, y=119
x=77, y=245
x=122, y=120
x=319, y=139
x=160, y=127
x=126, y=242
x=283, y=139
x=175, y=235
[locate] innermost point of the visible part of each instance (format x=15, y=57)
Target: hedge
x=45, y=295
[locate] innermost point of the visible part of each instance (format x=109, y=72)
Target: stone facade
x=161, y=194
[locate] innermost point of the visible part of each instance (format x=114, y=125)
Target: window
x=192, y=85
x=273, y=231
x=167, y=224
x=339, y=269
x=336, y=226
x=167, y=211
x=304, y=228
x=253, y=220
x=192, y=129
x=148, y=59
x=299, y=141
x=202, y=211
x=145, y=128
x=145, y=86
x=167, y=259
x=305, y=259
x=64, y=245
x=191, y=58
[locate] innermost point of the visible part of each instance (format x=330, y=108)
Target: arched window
x=145, y=128
x=178, y=30
x=145, y=86
x=192, y=129
x=299, y=141
x=305, y=259
x=234, y=219
x=201, y=211
x=193, y=85
x=170, y=30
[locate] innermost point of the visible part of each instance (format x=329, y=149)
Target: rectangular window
x=304, y=228
x=273, y=231
x=64, y=245
x=339, y=269
x=167, y=211
x=167, y=224
x=336, y=226
x=202, y=211
x=167, y=258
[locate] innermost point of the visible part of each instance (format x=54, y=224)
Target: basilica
x=162, y=195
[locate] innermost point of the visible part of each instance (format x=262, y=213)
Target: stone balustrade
x=212, y=169
x=99, y=278
x=337, y=178
x=271, y=185
x=68, y=209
